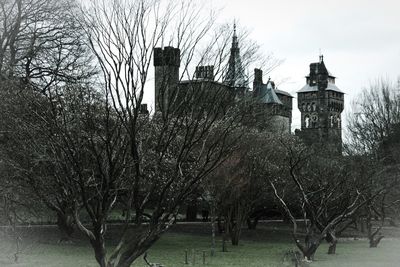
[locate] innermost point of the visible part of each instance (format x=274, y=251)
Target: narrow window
x=307, y=121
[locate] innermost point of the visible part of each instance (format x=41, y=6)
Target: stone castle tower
x=272, y=102
x=321, y=103
x=166, y=64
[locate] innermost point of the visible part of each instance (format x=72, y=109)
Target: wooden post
x=186, y=257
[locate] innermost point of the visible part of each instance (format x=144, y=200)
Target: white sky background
x=360, y=39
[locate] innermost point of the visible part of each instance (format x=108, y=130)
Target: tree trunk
x=332, y=248
x=224, y=249
x=362, y=226
x=221, y=226
x=332, y=240
x=134, y=246
x=235, y=218
x=252, y=224
x=234, y=230
x=99, y=248
x=235, y=234
x=65, y=223
x=312, y=243
x=374, y=237
x=373, y=243
x=191, y=212
x=392, y=222
x=308, y=254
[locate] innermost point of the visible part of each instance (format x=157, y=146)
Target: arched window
x=308, y=107
x=331, y=121
x=339, y=125
x=307, y=121
x=303, y=107
x=314, y=107
x=314, y=121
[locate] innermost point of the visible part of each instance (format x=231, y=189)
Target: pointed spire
x=235, y=42
x=236, y=76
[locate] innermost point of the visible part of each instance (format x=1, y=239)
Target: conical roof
x=267, y=95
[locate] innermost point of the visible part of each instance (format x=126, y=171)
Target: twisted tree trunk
x=65, y=223
x=332, y=240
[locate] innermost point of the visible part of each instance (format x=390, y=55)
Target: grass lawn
x=263, y=247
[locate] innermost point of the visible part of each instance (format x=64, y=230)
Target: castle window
x=314, y=121
x=331, y=121
x=307, y=121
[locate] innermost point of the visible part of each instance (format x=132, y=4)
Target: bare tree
x=239, y=186
x=375, y=114
x=327, y=195
x=41, y=43
x=373, y=129
x=42, y=48
x=146, y=162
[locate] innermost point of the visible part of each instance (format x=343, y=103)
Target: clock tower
x=321, y=104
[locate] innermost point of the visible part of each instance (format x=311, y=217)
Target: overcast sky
x=360, y=39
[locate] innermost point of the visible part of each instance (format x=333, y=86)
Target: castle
x=320, y=101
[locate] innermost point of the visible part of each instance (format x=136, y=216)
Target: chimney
x=143, y=109
x=258, y=81
x=205, y=73
x=258, y=76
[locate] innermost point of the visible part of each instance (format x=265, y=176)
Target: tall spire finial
x=236, y=75
x=321, y=56
x=235, y=43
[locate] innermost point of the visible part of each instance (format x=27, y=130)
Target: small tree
x=239, y=187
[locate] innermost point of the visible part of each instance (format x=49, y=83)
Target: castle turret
x=166, y=63
x=273, y=106
x=321, y=103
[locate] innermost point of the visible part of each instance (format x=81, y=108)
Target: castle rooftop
x=267, y=94
x=308, y=88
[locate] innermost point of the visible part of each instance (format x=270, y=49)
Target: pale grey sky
x=360, y=39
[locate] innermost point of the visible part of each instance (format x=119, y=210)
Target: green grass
x=264, y=247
